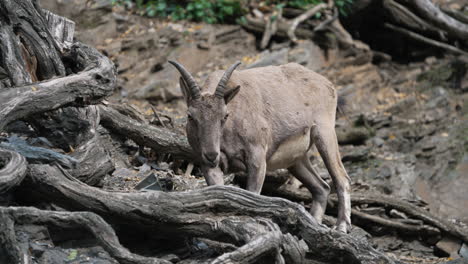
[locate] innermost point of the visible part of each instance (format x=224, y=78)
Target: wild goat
x=271, y=123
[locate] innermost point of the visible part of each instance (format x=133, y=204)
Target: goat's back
x=286, y=93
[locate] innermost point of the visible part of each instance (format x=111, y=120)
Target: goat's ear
x=185, y=90
x=229, y=94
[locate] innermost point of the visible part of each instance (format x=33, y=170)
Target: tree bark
x=87, y=87
x=160, y=139
x=12, y=169
x=26, y=41
x=208, y=213
x=430, y=12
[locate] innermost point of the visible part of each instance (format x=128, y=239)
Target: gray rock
x=448, y=246
x=463, y=251
x=378, y=142
x=307, y=54
x=165, y=90
x=456, y=261
x=358, y=154
x=268, y=58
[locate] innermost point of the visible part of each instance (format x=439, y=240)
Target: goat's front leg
x=213, y=176
x=256, y=169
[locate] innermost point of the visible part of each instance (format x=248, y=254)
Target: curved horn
x=222, y=83
x=188, y=78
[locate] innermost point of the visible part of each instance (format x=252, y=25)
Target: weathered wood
x=12, y=62
x=433, y=14
x=299, y=19
x=429, y=41
x=400, y=14
x=432, y=224
x=199, y=213
x=93, y=223
x=37, y=155
x=75, y=130
x=61, y=28
x=86, y=87
x=258, y=25
x=458, y=15
x=410, y=210
x=13, y=168
x=427, y=230
x=32, y=38
x=9, y=246
x=160, y=139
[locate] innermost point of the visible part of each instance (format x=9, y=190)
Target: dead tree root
x=95, y=81
x=13, y=168
x=93, y=223
x=214, y=213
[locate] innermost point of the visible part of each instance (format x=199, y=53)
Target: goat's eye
x=189, y=117
x=225, y=118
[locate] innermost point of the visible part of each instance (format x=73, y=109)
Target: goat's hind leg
x=327, y=144
x=305, y=173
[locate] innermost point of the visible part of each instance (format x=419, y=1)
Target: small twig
x=427, y=229
x=302, y=18
x=327, y=21
x=157, y=116
x=271, y=27
x=410, y=210
x=421, y=38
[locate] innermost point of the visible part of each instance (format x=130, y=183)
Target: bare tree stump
x=29, y=52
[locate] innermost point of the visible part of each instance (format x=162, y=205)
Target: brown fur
x=275, y=119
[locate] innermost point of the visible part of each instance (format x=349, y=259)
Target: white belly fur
x=289, y=151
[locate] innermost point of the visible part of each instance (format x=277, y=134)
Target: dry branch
x=433, y=223
x=433, y=14
x=421, y=38
x=400, y=14
x=87, y=87
x=271, y=28
x=258, y=25
x=306, y=15
x=410, y=210
x=414, y=229
x=160, y=139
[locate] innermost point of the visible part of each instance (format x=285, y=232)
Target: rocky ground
x=404, y=131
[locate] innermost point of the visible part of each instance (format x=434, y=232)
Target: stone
x=268, y=58
x=352, y=135
x=308, y=54
x=463, y=251
x=378, y=142
x=448, y=247
x=358, y=154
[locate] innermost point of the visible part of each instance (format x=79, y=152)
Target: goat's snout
x=211, y=157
